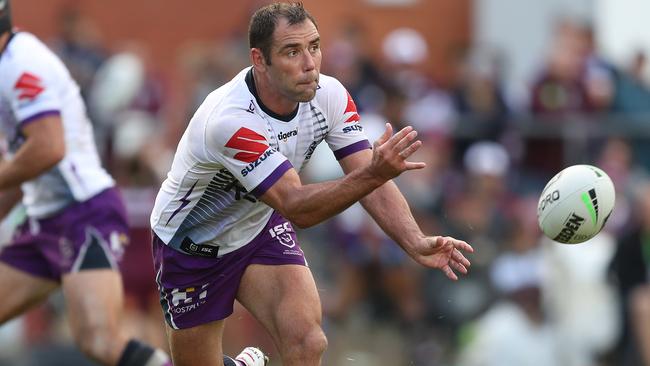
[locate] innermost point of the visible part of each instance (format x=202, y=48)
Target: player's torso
x=34, y=83
x=220, y=211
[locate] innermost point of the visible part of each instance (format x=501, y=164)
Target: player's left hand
x=444, y=253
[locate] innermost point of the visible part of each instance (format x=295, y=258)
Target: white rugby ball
x=575, y=204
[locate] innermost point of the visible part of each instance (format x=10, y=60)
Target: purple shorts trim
x=84, y=235
x=197, y=290
x=351, y=149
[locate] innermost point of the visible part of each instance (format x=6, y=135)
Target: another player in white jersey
x=76, y=224
x=223, y=219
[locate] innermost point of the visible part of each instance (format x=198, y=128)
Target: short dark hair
x=265, y=20
x=5, y=16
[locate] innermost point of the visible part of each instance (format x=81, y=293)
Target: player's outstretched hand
x=444, y=253
x=391, y=151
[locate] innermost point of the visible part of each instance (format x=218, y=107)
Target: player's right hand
x=391, y=151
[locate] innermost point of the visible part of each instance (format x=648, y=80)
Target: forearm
x=29, y=162
x=313, y=203
x=9, y=199
x=389, y=209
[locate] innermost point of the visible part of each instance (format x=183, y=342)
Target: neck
x=274, y=101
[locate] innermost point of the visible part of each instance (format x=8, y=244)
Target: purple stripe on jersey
x=271, y=179
x=351, y=149
x=40, y=115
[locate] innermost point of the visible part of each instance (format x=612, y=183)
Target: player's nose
x=309, y=62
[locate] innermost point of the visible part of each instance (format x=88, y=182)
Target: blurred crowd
x=526, y=301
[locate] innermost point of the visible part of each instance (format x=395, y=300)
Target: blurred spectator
x=631, y=268
x=347, y=60
x=479, y=210
x=514, y=331
x=632, y=93
x=479, y=99
x=578, y=295
x=476, y=206
x=373, y=267
x=428, y=108
x=574, y=82
x=79, y=46
x=560, y=89
x=618, y=160
x=208, y=65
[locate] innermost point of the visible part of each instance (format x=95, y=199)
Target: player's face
x=295, y=60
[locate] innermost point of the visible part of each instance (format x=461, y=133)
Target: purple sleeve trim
x=351, y=149
x=271, y=179
x=35, y=117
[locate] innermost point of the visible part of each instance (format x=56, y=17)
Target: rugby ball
x=575, y=204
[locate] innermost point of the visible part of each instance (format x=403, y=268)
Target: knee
x=315, y=342
x=309, y=345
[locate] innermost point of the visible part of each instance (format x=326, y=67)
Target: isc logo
x=283, y=232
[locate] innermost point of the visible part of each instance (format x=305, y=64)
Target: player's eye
x=314, y=48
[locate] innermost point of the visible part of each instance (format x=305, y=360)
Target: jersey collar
x=250, y=82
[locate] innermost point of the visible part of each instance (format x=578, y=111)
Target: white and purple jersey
x=34, y=83
x=233, y=150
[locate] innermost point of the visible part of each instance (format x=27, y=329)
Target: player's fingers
x=410, y=149
x=449, y=273
x=413, y=165
x=462, y=245
x=460, y=258
x=458, y=266
x=396, y=138
x=405, y=141
x=385, y=136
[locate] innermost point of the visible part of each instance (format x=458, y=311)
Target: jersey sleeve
x=242, y=146
x=32, y=88
x=346, y=135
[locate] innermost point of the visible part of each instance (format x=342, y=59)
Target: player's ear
x=257, y=59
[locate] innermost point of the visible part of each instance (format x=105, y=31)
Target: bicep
x=280, y=192
x=47, y=134
x=357, y=160
x=48, y=128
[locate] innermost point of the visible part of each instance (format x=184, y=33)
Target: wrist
x=413, y=244
x=368, y=175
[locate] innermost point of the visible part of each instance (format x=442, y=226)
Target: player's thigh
x=94, y=299
x=199, y=345
x=20, y=291
x=283, y=298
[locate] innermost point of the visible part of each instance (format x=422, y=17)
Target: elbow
x=54, y=157
x=301, y=221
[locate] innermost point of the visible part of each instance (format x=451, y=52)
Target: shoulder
x=331, y=95
x=230, y=111
x=329, y=87
x=25, y=47
x=333, y=98
x=232, y=98
x=25, y=55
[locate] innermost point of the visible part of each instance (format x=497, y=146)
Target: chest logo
x=284, y=136
x=250, y=143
